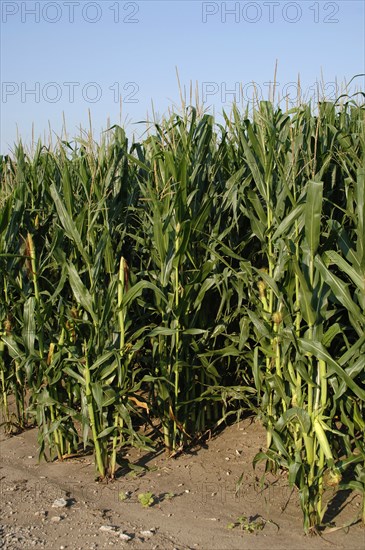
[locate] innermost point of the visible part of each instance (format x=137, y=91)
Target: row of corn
x=207, y=270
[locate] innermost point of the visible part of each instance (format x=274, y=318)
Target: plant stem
x=3, y=386
x=36, y=292
x=177, y=340
x=90, y=406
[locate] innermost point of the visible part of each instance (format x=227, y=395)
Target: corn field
x=207, y=271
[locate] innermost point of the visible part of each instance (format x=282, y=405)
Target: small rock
x=148, y=533
x=56, y=519
x=124, y=537
x=109, y=529
x=60, y=503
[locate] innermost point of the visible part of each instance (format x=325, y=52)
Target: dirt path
x=194, y=501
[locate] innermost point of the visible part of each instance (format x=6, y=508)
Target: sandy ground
x=194, y=500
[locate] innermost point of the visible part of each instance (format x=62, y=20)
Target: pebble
x=56, y=519
x=60, y=503
x=148, y=533
x=109, y=529
x=124, y=537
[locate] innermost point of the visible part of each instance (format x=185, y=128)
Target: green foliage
x=248, y=525
x=206, y=270
x=146, y=499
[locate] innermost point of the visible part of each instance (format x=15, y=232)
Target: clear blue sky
x=81, y=55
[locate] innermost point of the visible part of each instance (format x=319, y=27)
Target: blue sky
x=74, y=56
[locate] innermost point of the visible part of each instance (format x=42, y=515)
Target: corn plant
x=205, y=270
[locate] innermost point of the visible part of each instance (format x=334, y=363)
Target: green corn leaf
x=71, y=372
x=319, y=351
x=162, y=331
x=68, y=223
x=106, y=432
x=67, y=186
x=5, y=214
x=108, y=371
x=255, y=202
x=294, y=415
x=357, y=367
x=313, y=209
x=330, y=334
x=256, y=370
x=346, y=246
x=332, y=257
x=259, y=324
x=279, y=444
x=136, y=291
x=352, y=351
x=271, y=283
x=305, y=297
x=359, y=418
x=13, y=348
x=252, y=163
x=159, y=237
x=97, y=392
x=185, y=240
x=194, y=331
x=150, y=378
x=287, y=224
x=82, y=295
x=101, y=360
x=29, y=327
x=360, y=199
x=319, y=427
x=341, y=292
x=353, y=371
x=294, y=469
